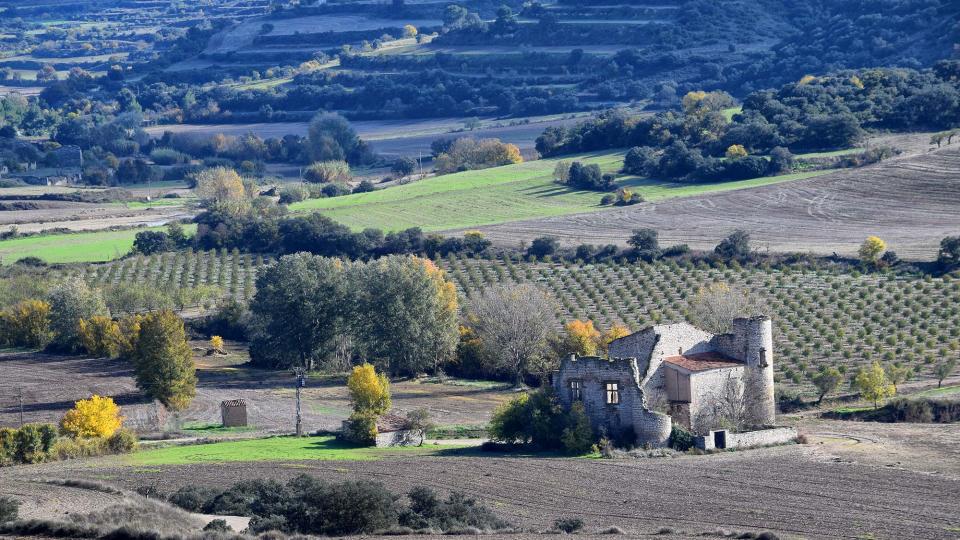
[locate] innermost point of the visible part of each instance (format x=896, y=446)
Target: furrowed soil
x=911, y=202
x=818, y=490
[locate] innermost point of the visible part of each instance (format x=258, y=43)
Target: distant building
x=68, y=156
x=234, y=413
x=676, y=373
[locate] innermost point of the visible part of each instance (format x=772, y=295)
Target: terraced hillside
x=911, y=203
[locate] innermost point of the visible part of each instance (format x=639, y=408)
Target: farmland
x=502, y=194
x=96, y=246
x=910, y=202
x=911, y=320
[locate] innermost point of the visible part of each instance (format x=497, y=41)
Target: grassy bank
x=324, y=448
x=502, y=194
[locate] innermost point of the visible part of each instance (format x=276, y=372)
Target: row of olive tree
x=311, y=311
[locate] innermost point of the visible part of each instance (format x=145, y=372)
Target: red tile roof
x=702, y=361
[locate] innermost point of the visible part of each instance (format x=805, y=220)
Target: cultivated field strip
x=912, y=203
x=800, y=495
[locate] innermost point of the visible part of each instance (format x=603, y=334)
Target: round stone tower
x=756, y=337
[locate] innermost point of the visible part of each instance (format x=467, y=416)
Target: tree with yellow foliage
x=216, y=343
x=736, y=151
x=409, y=31
x=581, y=338
x=223, y=189
x=615, y=332
x=807, y=79
x=369, y=390
x=370, y=397
x=871, y=250
x=26, y=324
x=98, y=416
x=101, y=336
x=873, y=384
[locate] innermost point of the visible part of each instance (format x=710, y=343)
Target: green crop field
x=501, y=194
x=274, y=449
x=95, y=246
x=73, y=247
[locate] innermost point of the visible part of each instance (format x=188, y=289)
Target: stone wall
x=708, y=393
x=630, y=413
x=405, y=437
x=763, y=437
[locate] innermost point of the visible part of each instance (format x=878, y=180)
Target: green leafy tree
x=162, y=362
x=301, y=305
x=826, y=380
x=70, y=302
x=577, y=437
x=409, y=314
x=944, y=369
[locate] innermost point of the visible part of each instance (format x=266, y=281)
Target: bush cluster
x=308, y=505
x=537, y=419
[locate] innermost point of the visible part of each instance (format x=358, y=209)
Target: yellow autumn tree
x=871, y=250
x=26, y=324
x=409, y=31
x=216, y=343
x=98, y=416
x=101, y=336
x=369, y=391
x=873, y=384
x=807, y=79
x=615, y=332
x=736, y=151
x=223, y=189
x=582, y=338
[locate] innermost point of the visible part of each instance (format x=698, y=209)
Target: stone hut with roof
x=676, y=373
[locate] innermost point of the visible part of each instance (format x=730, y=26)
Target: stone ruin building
x=678, y=373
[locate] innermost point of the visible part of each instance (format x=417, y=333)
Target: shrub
x=534, y=418
x=167, y=156
x=361, y=429
x=466, y=154
x=32, y=443
x=294, y=193
x=97, y=416
x=323, y=172
x=568, y=525
x=365, y=186
x=335, y=190
x=101, y=336
x=7, y=446
x=428, y=511
x=578, y=436
x=9, y=509
x=543, y=246
x=218, y=525
x=192, y=498
x=123, y=441
x=73, y=448
x=680, y=438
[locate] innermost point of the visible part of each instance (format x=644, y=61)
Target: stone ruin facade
x=676, y=373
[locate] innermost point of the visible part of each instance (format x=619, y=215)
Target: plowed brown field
x=911, y=202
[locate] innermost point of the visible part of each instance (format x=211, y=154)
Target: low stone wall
x=404, y=437
x=723, y=439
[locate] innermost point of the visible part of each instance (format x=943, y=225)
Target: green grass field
x=274, y=449
x=500, y=194
x=95, y=246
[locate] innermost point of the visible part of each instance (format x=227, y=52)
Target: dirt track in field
x=911, y=202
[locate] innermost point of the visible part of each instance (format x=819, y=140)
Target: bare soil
x=51, y=384
x=809, y=491
x=911, y=202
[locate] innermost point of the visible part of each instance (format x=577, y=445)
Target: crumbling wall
x=762, y=437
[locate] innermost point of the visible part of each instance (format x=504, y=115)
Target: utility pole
x=420, y=162
x=301, y=374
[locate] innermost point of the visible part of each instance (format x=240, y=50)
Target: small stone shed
x=234, y=413
x=393, y=430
